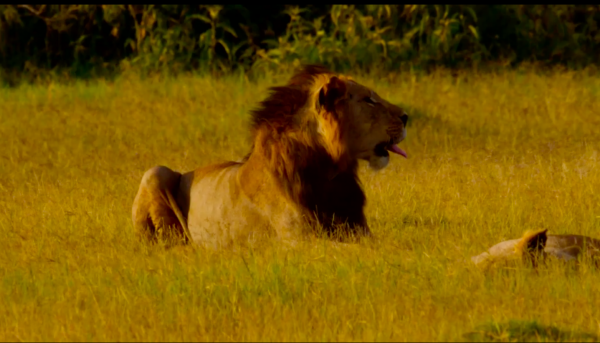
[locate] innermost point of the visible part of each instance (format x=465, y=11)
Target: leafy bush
x=87, y=39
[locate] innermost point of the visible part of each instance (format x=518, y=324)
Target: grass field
x=490, y=156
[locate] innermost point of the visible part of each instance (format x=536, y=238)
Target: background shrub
x=84, y=40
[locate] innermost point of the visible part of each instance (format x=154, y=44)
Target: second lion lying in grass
x=538, y=246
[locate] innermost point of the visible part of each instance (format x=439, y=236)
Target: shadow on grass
x=525, y=331
x=416, y=115
x=419, y=118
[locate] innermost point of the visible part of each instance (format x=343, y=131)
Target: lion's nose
x=404, y=118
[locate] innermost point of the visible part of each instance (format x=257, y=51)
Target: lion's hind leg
x=155, y=213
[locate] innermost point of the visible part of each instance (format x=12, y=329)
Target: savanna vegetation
x=100, y=40
x=493, y=151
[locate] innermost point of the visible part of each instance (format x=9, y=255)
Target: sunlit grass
x=490, y=156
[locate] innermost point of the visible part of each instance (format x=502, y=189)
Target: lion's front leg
x=359, y=226
x=341, y=208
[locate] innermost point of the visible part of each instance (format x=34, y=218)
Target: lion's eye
x=369, y=100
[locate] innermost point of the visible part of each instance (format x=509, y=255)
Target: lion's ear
x=331, y=92
x=537, y=241
x=531, y=244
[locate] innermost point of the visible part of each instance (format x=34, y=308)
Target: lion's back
x=220, y=213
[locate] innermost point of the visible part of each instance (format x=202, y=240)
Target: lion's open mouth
x=382, y=149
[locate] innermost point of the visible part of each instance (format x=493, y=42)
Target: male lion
x=300, y=175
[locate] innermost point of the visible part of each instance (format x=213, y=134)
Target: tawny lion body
x=300, y=174
x=538, y=245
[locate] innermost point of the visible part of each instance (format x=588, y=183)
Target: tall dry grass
x=490, y=156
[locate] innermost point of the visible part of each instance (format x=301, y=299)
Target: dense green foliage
x=86, y=39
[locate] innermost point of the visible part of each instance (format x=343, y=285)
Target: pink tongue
x=395, y=149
